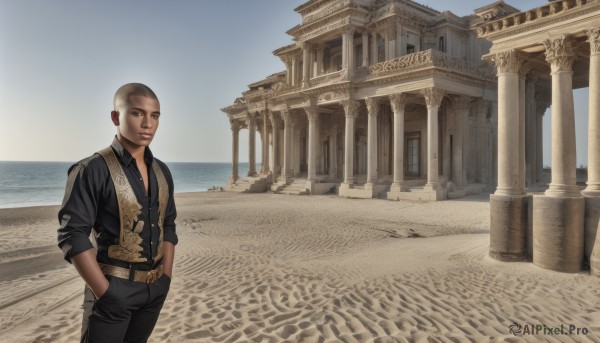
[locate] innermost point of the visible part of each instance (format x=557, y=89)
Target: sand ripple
x=272, y=268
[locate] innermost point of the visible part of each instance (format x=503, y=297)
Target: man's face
x=137, y=120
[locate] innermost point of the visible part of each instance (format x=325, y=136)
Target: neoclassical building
x=379, y=98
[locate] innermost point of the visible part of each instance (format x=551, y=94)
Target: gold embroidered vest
x=129, y=248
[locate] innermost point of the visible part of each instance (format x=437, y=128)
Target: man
x=124, y=196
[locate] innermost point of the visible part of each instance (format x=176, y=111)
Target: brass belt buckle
x=151, y=277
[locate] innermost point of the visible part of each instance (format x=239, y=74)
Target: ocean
x=24, y=184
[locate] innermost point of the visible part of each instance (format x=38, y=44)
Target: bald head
x=131, y=89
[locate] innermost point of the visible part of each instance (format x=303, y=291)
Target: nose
x=146, y=122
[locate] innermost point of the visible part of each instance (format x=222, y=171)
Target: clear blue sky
x=62, y=60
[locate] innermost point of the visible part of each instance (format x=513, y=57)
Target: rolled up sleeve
x=78, y=212
x=170, y=234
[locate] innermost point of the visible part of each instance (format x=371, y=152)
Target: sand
x=278, y=268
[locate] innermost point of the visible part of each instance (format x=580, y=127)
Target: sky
x=62, y=60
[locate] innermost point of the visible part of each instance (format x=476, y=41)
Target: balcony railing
x=334, y=77
x=426, y=59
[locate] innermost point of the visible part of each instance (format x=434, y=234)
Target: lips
x=146, y=135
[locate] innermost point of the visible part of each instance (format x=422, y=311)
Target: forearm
x=86, y=265
x=168, y=257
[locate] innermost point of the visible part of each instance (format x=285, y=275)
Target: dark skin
x=136, y=119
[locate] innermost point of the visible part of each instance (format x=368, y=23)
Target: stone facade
x=541, y=55
x=379, y=98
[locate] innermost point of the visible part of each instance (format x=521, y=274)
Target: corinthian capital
x=373, y=106
x=235, y=125
x=507, y=61
x=433, y=96
x=594, y=40
x=560, y=53
x=286, y=115
x=398, y=101
x=250, y=118
x=311, y=109
x=350, y=108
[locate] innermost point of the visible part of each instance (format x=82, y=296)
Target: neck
x=136, y=151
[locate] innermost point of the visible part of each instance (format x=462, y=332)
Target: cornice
x=535, y=19
x=304, y=29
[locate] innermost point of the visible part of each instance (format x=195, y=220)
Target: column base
x=252, y=173
x=558, y=233
x=431, y=186
x=563, y=191
x=231, y=181
x=395, y=189
x=508, y=227
x=345, y=189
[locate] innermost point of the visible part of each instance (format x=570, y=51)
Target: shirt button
x=152, y=225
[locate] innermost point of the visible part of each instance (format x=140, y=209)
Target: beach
x=278, y=268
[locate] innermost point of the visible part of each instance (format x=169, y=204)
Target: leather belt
x=145, y=276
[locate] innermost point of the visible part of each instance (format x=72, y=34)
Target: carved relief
x=507, y=61
x=311, y=109
x=373, y=105
x=398, y=102
x=350, y=108
x=433, y=96
x=235, y=125
x=594, y=40
x=427, y=58
x=560, y=53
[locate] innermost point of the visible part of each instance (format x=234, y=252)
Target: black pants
x=127, y=312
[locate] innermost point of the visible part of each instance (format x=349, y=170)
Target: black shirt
x=90, y=202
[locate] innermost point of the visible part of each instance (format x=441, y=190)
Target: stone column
x=288, y=67
x=391, y=42
x=461, y=105
x=508, y=123
x=509, y=204
x=348, y=58
x=320, y=60
x=276, y=155
x=351, y=111
x=373, y=109
x=398, y=102
x=305, y=65
x=251, y=122
x=265, y=143
x=592, y=191
x=235, y=134
x=542, y=101
x=374, y=52
x=558, y=216
x=433, y=99
x=523, y=70
x=386, y=44
x=312, y=114
x=294, y=77
x=530, y=118
x=593, y=182
x=560, y=55
x=365, y=46
x=333, y=151
x=287, y=143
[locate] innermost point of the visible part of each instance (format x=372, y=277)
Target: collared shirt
x=90, y=203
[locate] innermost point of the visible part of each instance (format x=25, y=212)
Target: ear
x=114, y=116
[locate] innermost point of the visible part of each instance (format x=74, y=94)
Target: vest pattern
x=129, y=248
